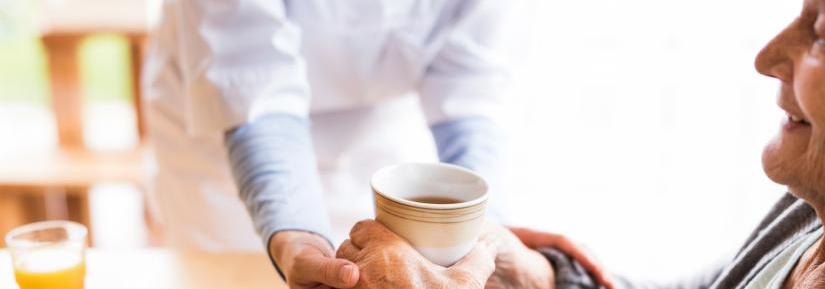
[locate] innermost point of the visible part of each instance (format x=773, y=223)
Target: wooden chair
x=55, y=185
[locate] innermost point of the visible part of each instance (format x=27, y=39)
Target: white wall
x=639, y=128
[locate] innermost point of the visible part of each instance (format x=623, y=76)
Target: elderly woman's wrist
x=540, y=269
x=567, y=271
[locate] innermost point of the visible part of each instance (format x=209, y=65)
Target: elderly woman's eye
x=818, y=35
x=818, y=29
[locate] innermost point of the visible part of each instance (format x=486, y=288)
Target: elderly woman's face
x=796, y=57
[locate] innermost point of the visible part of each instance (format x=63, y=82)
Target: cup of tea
x=438, y=208
x=48, y=255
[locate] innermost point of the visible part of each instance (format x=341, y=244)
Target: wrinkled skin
x=385, y=260
x=535, y=239
x=809, y=272
x=516, y=265
x=499, y=261
x=796, y=57
x=796, y=156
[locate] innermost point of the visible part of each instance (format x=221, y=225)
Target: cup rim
x=470, y=203
x=76, y=230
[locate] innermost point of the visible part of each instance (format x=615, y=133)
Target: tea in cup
x=438, y=208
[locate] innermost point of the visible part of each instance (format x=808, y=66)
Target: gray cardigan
x=790, y=219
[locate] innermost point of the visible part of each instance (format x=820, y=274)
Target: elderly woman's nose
x=774, y=60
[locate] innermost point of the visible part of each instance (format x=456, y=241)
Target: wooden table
x=166, y=269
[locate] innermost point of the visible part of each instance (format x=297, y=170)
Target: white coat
x=369, y=74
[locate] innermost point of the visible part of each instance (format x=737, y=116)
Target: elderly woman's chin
x=790, y=160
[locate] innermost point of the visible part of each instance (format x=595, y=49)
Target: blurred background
x=636, y=126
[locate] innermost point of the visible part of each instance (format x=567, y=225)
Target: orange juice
x=67, y=278
x=50, y=268
x=48, y=255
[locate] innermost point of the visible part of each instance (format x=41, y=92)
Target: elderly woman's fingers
x=347, y=250
x=478, y=265
x=535, y=240
x=368, y=231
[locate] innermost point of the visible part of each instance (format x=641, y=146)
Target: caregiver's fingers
x=535, y=240
x=318, y=268
x=368, y=231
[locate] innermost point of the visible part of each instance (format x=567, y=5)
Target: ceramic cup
x=438, y=208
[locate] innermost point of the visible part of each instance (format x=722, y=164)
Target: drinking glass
x=48, y=255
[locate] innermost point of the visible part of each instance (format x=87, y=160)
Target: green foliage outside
x=104, y=62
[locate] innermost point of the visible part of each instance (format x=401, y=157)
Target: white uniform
x=363, y=71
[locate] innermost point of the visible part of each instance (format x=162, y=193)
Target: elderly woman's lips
x=795, y=118
x=794, y=122
x=791, y=109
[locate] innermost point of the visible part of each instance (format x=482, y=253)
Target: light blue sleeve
x=475, y=143
x=273, y=162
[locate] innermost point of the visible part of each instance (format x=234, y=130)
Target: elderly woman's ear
x=387, y=261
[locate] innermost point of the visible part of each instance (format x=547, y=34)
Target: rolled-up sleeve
x=476, y=143
x=275, y=169
x=464, y=88
x=239, y=60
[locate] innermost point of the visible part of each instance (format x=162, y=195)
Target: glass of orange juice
x=48, y=254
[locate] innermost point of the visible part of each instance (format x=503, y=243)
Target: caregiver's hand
x=308, y=262
x=387, y=261
x=536, y=239
x=516, y=265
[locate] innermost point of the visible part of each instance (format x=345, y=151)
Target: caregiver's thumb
x=308, y=261
x=318, y=268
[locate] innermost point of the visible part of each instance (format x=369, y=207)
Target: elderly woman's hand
x=536, y=239
x=519, y=266
x=387, y=261
x=516, y=265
